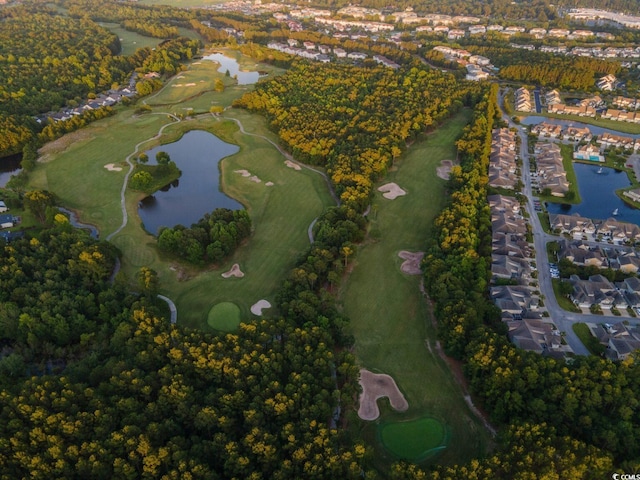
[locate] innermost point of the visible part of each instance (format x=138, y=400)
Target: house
x=583, y=255
x=607, y=83
x=621, y=340
x=7, y=221
x=513, y=300
x=574, y=225
x=534, y=335
x=597, y=290
x=588, y=152
x=3, y=207
x=632, y=194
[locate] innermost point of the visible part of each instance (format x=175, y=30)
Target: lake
x=9, y=166
x=197, y=191
x=597, y=191
x=230, y=64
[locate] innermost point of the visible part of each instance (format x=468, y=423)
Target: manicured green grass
x=224, y=316
x=589, y=341
x=130, y=41
x=414, y=440
x=193, y=89
x=73, y=168
x=390, y=317
x=563, y=301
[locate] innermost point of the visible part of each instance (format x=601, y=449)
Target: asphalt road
x=563, y=319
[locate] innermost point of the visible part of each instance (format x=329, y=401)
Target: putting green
x=224, y=316
x=414, y=440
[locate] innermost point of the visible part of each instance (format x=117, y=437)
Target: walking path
x=172, y=308
x=123, y=206
x=291, y=159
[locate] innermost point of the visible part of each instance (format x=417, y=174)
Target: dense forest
x=96, y=384
x=211, y=239
x=354, y=121
x=50, y=59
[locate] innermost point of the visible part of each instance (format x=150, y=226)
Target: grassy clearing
x=414, y=440
x=193, y=89
x=389, y=316
x=130, y=41
x=224, y=316
x=589, y=341
x=73, y=168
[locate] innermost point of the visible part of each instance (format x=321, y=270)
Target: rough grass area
x=224, y=316
x=414, y=440
x=563, y=301
x=390, y=317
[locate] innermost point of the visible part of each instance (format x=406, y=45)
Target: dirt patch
x=411, y=264
x=269, y=184
x=444, y=170
x=260, y=305
x=375, y=386
x=293, y=165
x=391, y=191
x=112, y=167
x=233, y=272
x=255, y=179
x=244, y=173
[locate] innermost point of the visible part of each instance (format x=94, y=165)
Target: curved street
x=563, y=319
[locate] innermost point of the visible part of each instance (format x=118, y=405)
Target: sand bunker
x=190, y=84
x=444, y=170
x=255, y=179
x=260, y=305
x=375, y=386
x=391, y=191
x=177, y=85
x=293, y=165
x=411, y=264
x=112, y=167
x=244, y=173
x=234, y=272
x=269, y=184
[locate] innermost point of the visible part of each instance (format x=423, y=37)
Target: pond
x=197, y=191
x=536, y=119
x=9, y=166
x=231, y=65
x=597, y=191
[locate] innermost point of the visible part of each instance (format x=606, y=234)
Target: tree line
x=354, y=121
x=589, y=401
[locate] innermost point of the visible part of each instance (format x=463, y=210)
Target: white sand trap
x=391, y=191
x=260, y=305
x=234, y=272
x=190, y=84
x=177, y=85
x=196, y=63
x=375, y=386
x=255, y=179
x=411, y=264
x=244, y=173
x=180, y=76
x=112, y=167
x=269, y=184
x=293, y=165
x=444, y=170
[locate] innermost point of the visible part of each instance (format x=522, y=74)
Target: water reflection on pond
x=9, y=166
x=597, y=191
x=197, y=191
x=232, y=66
